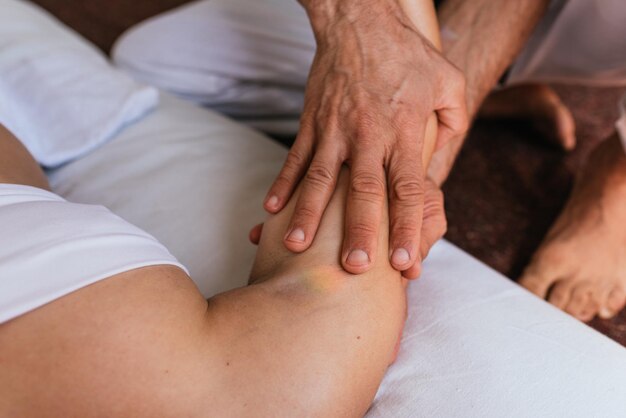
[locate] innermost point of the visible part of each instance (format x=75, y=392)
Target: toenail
x=605, y=313
x=297, y=235
x=358, y=258
x=400, y=257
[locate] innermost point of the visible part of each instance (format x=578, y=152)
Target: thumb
x=255, y=234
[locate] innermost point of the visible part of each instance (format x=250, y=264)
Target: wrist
x=321, y=13
x=326, y=13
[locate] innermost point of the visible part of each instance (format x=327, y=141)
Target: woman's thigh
x=109, y=349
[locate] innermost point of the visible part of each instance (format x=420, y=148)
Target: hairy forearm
x=482, y=37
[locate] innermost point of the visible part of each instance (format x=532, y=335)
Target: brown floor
x=508, y=185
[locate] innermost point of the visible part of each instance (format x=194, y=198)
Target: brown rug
x=508, y=185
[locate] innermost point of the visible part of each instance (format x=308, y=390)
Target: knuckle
x=295, y=160
x=282, y=182
x=291, y=170
x=367, y=186
x=434, y=206
x=404, y=231
x=362, y=230
x=439, y=198
x=320, y=176
x=407, y=190
x=435, y=217
x=305, y=214
x=307, y=120
x=433, y=194
x=366, y=124
x=365, y=120
x=321, y=118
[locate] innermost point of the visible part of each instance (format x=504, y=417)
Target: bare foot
x=581, y=265
x=537, y=103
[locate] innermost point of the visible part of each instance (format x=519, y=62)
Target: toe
x=590, y=310
x=578, y=301
x=617, y=299
x=561, y=293
x=535, y=283
x=614, y=303
x=566, y=128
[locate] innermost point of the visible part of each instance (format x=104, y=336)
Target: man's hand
x=373, y=84
x=434, y=226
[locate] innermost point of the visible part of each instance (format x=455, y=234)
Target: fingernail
x=296, y=235
x=272, y=202
x=358, y=258
x=400, y=257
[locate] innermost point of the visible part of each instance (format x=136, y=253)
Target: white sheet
x=475, y=344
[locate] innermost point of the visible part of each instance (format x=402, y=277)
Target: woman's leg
x=17, y=166
x=305, y=338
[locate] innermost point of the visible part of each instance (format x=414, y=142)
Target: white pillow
x=579, y=42
x=58, y=93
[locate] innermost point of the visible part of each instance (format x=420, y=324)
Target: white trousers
x=249, y=59
x=577, y=42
